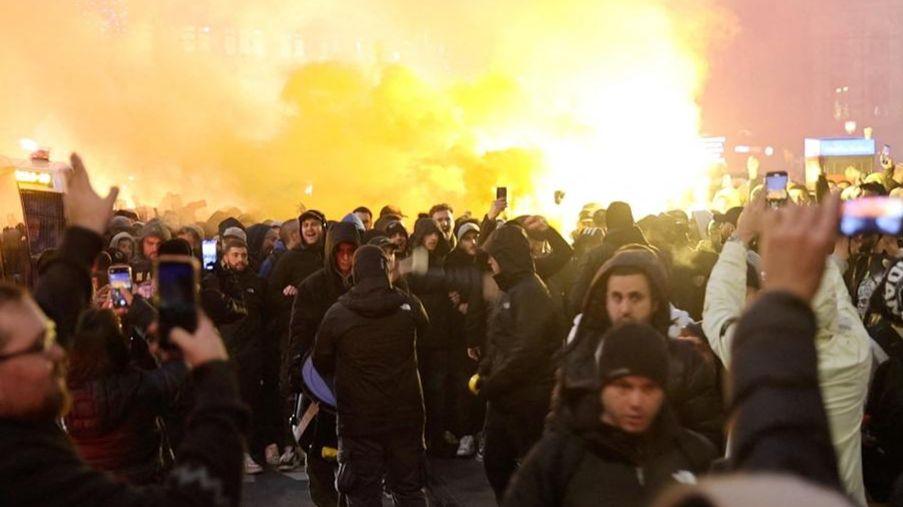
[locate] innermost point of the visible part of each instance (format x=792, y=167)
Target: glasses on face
x=43, y=343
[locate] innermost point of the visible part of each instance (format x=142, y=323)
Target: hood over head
x=424, y=227
x=510, y=248
x=339, y=232
x=647, y=262
x=121, y=236
x=156, y=229
x=256, y=234
x=372, y=294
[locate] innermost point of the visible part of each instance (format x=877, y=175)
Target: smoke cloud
x=269, y=104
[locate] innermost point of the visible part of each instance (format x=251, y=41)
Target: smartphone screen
x=501, y=192
x=776, y=187
x=883, y=215
x=208, y=249
x=176, y=295
x=120, y=281
x=886, y=150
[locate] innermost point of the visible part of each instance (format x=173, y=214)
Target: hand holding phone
x=882, y=215
x=776, y=188
x=120, y=284
x=208, y=249
x=176, y=279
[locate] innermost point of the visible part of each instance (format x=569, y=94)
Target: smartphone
x=176, y=281
x=776, y=188
x=501, y=193
x=120, y=281
x=208, y=250
x=882, y=215
x=886, y=150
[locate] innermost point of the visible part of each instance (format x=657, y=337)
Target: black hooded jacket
x=433, y=295
x=524, y=335
x=257, y=233
x=316, y=294
x=367, y=342
x=607, y=467
x=692, y=388
x=293, y=267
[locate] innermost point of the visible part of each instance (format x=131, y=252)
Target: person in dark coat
x=316, y=294
x=261, y=240
x=303, y=257
x=244, y=338
x=517, y=370
x=434, y=346
x=468, y=330
x=633, y=287
x=367, y=344
x=38, y=465
x=635, y=448
x=115, y=421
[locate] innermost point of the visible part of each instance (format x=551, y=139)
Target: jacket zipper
x=640, y=476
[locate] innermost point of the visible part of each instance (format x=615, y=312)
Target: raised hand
x=84, y=207
x=795, y=244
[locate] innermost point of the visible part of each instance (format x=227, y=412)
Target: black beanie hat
x=633, y=349
x=369, y=262
x=619, y=216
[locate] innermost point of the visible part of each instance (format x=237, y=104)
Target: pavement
x=452, y=483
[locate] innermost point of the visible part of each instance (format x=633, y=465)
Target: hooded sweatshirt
x=692, y=386
x=114, y=243
x=367, y=343
x=318, y=292
x=524, y=336
x=141, y=265
x=433, y=293
x=592, y=261
x=257, y=233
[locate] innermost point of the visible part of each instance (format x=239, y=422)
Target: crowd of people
x=732, y=358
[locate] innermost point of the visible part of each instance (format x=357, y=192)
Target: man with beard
x=304, y=255
x=444, y=215
x=245, y=337
x=38, y=465
x=633, y=287
x=315, y=295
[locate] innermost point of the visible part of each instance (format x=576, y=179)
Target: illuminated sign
x=853, y=147
x=34, y=178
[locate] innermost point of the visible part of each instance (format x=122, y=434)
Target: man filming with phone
x=39, y=465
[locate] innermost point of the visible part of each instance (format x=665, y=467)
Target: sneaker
x=467, y=447
x=251, y=466
x=272, y=455
x=289, y=460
